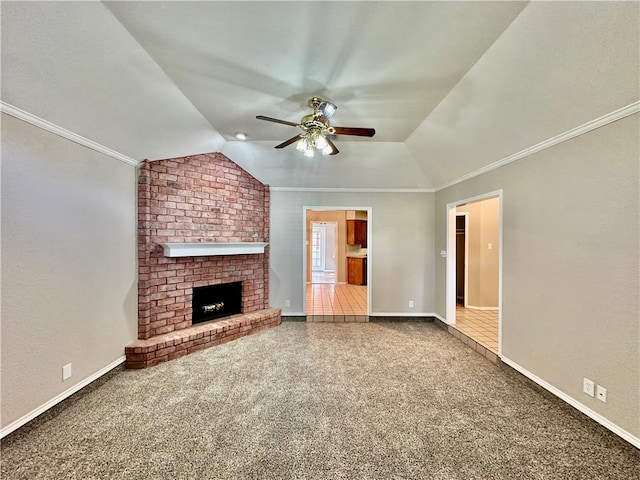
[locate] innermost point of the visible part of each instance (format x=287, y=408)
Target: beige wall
x=570, y=265
x=68, y=265
x=338, y=216
x=483, y=262
x=401, y=248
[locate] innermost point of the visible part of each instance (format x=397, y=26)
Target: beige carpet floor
x=319, y=401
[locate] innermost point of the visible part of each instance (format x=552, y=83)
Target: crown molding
x=62, y=132
x=619, y=114
x=563, y=137
x=352, y=190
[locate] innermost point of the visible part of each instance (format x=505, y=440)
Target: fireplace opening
x=216, y=301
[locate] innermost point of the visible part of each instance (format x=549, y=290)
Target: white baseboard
x=442, y=319
x=374, y=314
x=473, y=307
x=632, y=439
x=57, y=399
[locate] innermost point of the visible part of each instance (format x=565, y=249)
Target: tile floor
x=323, y=277
x=336, y=299
x=340, y=299
x=479, y=325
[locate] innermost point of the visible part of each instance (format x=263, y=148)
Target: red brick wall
x=200, y=198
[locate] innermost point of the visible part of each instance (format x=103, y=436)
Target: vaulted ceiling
x=450, y=87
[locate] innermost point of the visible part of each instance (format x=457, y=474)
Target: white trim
x=500, y=268
x=62, y=132
x=58, y=398
x=323, y=244
x=476, y=198
x=293, y=314
x=568, y=135
x=352, y=190
x=473, y=307
x=450, y=265
x=633, y=440
x=401, y=314
x=442, y=319
x=212, y=248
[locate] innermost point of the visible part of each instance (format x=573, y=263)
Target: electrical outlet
x=287, y=303
x=601, y=393
x=66, y=371
x=588, y=387
x=410, y=303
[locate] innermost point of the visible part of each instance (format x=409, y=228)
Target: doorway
x=474, y=268
x=324, y=247
x=329, y=253
x=462, y=254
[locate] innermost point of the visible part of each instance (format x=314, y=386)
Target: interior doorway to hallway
x=336, y=258
x=474, y=268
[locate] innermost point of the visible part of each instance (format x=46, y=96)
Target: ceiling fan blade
x=275, y=120
x=289, y=142
x=361, y=132
x=334, y=149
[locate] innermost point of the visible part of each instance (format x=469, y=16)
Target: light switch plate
x=588, y=387
x=66, y=371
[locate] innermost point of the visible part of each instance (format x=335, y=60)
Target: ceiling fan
x=316, y=129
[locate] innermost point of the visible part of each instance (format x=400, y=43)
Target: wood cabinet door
x=357, y=233
x=351, y=232
x=355, y=271
x=362, y=237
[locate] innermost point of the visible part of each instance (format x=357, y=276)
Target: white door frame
x=451, y=259
x=369, y=211
x=334, y=247
x=323, y=250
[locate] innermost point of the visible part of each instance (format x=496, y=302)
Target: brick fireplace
x=205, y=199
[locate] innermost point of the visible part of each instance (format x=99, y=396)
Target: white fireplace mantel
x=212, y=248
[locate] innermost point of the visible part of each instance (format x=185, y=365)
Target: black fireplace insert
x=216, y=301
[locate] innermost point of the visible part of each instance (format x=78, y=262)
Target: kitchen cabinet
x=357, y=270
x=357, y=233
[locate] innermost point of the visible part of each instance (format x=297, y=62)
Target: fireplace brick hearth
x=199, y=198
x=161, y=348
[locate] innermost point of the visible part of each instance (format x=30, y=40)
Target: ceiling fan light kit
x=316, y=129
x=313, y=140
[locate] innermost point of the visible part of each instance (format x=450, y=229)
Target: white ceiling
x=450, y=87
